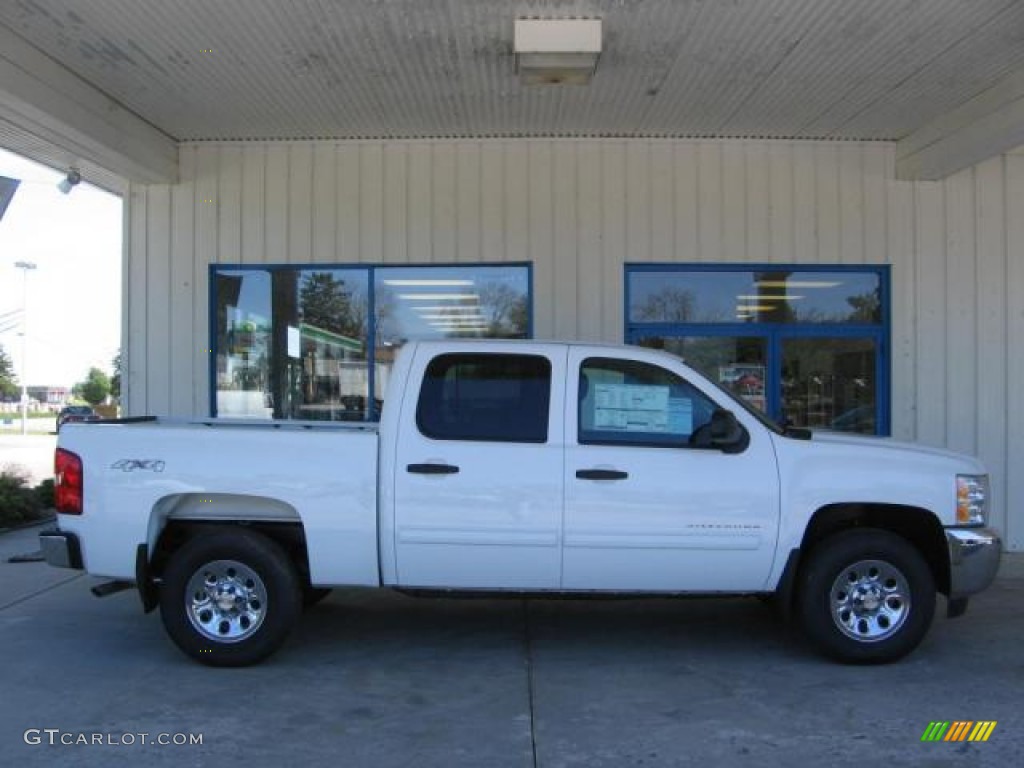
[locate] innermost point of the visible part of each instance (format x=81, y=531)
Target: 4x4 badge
x=145, y=465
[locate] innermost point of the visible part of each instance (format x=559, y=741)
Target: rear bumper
x=61, y=549
x=974, y=555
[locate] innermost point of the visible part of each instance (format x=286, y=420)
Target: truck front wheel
x=866, y=596
x=229, y=599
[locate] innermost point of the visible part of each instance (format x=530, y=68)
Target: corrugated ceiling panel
x=980, y=58
x=434, y=68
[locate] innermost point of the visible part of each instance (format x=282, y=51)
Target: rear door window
x=485, y=397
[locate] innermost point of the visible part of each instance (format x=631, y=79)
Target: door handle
x=601, y=474
x=431, y=469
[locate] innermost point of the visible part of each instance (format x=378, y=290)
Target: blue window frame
x=317, y=341
x=806, y=344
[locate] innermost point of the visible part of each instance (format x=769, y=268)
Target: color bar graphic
x=959, y=730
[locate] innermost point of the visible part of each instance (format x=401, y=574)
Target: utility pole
x=25, y=267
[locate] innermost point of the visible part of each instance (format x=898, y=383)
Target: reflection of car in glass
x=73, y=413
x=859, y=419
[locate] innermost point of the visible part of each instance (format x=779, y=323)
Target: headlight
x=971, y=499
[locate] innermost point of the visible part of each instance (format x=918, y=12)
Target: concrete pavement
x=379, y=679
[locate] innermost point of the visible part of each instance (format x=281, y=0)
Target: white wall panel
x=186, y=339
x=1014, y=403
x=992, y=283
x=578, y=211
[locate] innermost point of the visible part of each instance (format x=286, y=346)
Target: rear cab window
x=485, y=397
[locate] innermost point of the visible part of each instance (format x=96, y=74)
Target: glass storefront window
x=446, y=303
x=777, y=295
x=829, y=384
x=738, y=363
x=244, y=343
x=297, y=343
x=326, y=327
x=804, y=345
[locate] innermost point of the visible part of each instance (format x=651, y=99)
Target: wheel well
x=289, y=536
x=918, y=526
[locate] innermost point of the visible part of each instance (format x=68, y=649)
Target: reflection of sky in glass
x=253, y=298
x=763, y=296
x=436, y=302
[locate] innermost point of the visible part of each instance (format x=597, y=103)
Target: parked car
x=73, y=413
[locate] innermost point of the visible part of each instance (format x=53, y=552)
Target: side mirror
x=727, y=434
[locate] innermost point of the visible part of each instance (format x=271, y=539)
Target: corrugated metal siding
x=579, y=210
x=958, y=297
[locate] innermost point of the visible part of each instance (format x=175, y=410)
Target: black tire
x=866, y=596
x=313, y=595
x=259, y=598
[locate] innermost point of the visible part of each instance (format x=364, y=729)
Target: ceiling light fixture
x=796, y=283
x=557, y=51
x=452, y=318
x=438, y=296
x=429, y=283
x=783, y=297
x=451, y=309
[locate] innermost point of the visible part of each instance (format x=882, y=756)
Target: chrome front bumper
x=974, y=555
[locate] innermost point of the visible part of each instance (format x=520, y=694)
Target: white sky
x=74, y=294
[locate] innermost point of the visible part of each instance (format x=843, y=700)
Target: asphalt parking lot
x=380, y=679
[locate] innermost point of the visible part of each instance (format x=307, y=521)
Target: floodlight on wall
x=557, y=51
x=68, y=182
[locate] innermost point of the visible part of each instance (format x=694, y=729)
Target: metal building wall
x=578, y=210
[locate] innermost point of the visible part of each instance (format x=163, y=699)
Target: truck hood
x=897, y=449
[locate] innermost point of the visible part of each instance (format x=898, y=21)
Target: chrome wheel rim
x=870, y=600
x=226, y=601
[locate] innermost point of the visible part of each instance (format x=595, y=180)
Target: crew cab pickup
x=524, y=468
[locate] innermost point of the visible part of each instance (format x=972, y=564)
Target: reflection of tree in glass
x=505, y=308
x=326, y=304
x=866, y=308
x=384, y=310
x=669, y=305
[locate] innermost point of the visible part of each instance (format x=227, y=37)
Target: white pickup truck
x=525, y=468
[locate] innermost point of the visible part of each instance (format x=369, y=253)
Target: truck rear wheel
x=866, y=596
x=229, y=599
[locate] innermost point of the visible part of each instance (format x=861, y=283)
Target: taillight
x=67, y=482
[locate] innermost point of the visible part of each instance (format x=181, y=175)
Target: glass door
x=830, y=383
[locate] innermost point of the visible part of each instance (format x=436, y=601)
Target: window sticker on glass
x=680, y=415
x=631, y=408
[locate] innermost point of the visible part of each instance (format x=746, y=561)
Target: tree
x=95, y=388
x=8, y=381
x=115, y=380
